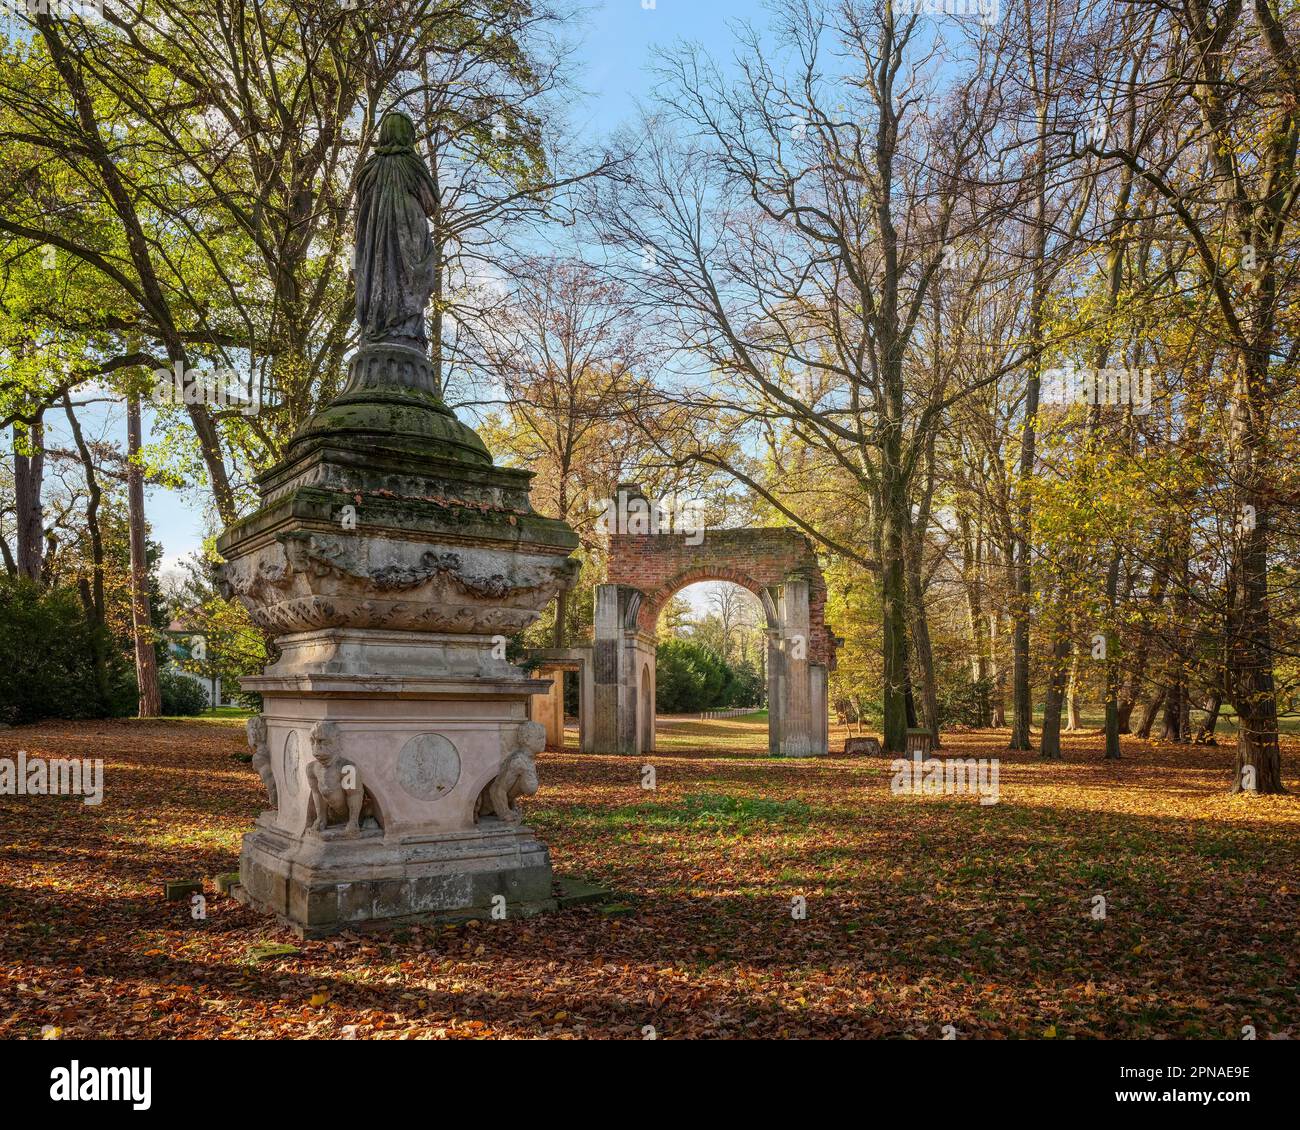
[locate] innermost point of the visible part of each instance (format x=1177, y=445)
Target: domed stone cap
x=391, y=401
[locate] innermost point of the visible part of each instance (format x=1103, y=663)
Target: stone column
x=775, y=665
x=640, y=651
x=587, y=705
x=794, y=728
x=548, y=707
x=578, y=660
x=820, y=709
x=620, y=650
x=609, y=675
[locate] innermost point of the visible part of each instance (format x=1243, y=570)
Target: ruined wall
x=662, y=564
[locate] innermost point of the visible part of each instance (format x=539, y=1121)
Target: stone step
x=578, y=892
x=226, y=882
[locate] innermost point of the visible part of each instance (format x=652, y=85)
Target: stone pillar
x=578, y=660
x=586, y=706
x=620, y=654
x=792, y=731
x=774, y=691
x=641, y=654
x=548, y=707
x=607, y=668
x=820, y=709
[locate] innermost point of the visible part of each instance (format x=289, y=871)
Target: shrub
x=45, y=654
x=964, y=701
x=124, y=699
x=688, y=677
x=744, y=686
x=251, y=700
x=181, y=696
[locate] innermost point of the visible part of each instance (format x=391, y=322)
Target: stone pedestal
x=392, y=560
x=424, y=749
x=623, y=674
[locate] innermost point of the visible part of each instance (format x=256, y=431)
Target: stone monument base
x=403, y=768
x=320, y=883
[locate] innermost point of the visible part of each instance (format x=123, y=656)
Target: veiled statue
x=394, y=261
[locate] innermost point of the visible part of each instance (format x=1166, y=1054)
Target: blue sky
x=620, y=36
x=616, y=39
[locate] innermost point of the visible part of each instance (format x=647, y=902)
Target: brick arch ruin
x=645, y=571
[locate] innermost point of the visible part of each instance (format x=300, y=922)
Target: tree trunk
x=973, y=575
x=146, y=661
x=562, y=598
x=921, y=647
x=1113, y=722
x=999, y=676
x=1172, y=729
x=1205, y=735
x=1259, y=761
x=1250, y=650
x=1133, y=684
x=29, y=473
x=92, y=594
x=1072, y=691
x=1022, y=702
x=1051, y=743
x=1176, y=700
x=893, y=591
x=1149, y=717
x=1124, y=716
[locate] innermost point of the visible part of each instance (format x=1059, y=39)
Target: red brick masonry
x=660, y=565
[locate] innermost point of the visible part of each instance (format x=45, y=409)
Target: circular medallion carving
x=289, y=762
x=428, y=767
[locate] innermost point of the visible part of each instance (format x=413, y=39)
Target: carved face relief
x=256, y=727
x=532, y=737
x=324, y=740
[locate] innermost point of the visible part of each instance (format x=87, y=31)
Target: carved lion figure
x=257, y=742
x=517, y=777
x=337, y=792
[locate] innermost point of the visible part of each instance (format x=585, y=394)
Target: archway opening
x=645, y=571
x=711, y=667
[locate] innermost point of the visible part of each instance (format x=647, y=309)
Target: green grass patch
x=227, y=715
x=720, y=811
